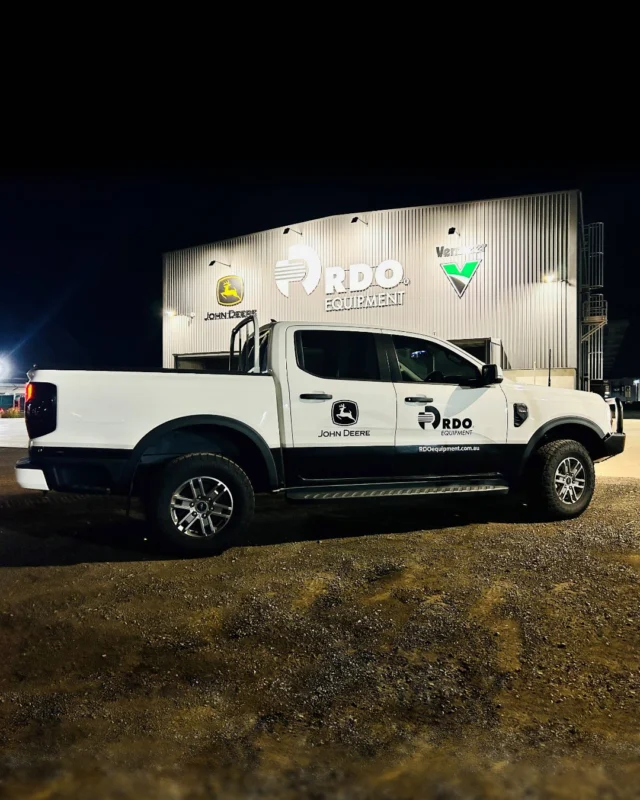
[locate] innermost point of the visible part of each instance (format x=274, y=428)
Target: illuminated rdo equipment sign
x=344, y=287
x=349, y=284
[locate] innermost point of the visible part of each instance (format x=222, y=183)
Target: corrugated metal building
x=509, y=279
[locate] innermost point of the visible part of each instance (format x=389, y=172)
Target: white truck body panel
x=546, y=404
x=115, y=410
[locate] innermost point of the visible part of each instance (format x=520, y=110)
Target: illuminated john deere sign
x=460, y=264
x=230, y=290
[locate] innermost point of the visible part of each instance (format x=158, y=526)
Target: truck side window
x=346, y=355
x=422, y=361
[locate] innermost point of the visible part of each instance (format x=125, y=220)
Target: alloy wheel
x=201, y=507
x=570, y=480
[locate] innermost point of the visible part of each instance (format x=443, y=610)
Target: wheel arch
x=580, y=429
x=206, y=432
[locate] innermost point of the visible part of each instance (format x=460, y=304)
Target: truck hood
x=548, y=402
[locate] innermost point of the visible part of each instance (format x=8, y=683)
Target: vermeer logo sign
x=230, y=290
x=460, y=264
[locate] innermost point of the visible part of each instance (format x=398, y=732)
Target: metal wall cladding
x=527, y=239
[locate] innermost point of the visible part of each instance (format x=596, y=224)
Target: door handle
x=316, y=396
x=420, y=398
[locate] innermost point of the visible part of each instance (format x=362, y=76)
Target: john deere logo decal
x=230, y=290
x=460, y=264
x=344, y=412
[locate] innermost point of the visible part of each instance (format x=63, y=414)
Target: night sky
x=80, y=251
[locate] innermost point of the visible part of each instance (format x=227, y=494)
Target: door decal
x=430, y=416
x=451, y=426
x=344, y=412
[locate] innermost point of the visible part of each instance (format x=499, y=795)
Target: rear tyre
x=201, y=503
x=562, y=480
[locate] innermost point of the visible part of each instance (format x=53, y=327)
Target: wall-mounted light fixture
x=358, y=219
x=551, y=277
x=286, y=230
x=171, y=313
x=216, y=261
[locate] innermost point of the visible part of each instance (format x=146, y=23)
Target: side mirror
x=491, y=373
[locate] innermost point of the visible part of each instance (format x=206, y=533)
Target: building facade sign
x=460, y=271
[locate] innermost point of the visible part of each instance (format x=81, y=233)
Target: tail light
x=40, y=410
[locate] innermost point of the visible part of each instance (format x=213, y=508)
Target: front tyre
x=563, y=479
x=201, y=502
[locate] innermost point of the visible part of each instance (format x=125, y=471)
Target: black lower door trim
x=342, y=463
x=347, y=463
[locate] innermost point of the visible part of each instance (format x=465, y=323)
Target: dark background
x=80, y=250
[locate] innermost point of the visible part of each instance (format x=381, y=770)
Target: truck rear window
x=344, y=355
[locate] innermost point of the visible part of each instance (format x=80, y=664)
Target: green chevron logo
x=460, y=278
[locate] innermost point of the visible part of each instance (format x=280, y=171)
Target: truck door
x=448, y=424
x=342, y=404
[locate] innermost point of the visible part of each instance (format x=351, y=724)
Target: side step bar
x=395, y=490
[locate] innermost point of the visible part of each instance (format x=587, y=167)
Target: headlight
x=613, y=414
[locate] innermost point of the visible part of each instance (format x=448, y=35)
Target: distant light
x=636, y=382
x=5, y=368
x=170, y=313
x=551, y=278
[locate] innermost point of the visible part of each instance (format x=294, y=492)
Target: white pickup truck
x=315, y=412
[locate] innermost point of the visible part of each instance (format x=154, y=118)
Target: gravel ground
x=391, y=650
